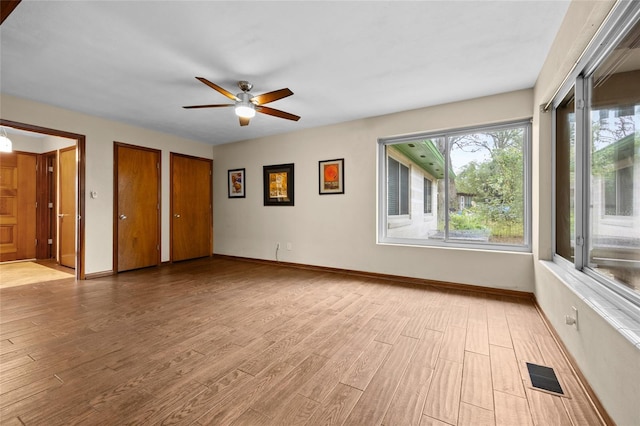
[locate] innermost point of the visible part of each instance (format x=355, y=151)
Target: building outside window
x=398, y=201
x=469, y=187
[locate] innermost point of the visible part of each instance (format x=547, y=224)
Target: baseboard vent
x=544, y=378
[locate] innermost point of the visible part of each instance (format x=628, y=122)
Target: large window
x=597, y=166
x=465, y=187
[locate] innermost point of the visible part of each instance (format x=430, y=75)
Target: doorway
x=45, y=216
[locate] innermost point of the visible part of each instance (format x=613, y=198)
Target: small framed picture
x=278, y=185
x=236, y=183
x=331, y=176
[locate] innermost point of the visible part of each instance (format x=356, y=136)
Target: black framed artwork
x=278, y=181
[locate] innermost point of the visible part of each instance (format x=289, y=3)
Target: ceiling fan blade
x=244, y=121
x=208, y=106
x=277, y=113
x=218, y=88
x=265, y=98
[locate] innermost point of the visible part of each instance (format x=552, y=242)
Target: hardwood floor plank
x=498, y=329
x=438, y=319
x=505, y=372
x=408, y=401
x=392, y=330
x=284, y=346
x=194, y=407
x=547, y=409
x=228, y=407
x=374, y=402
x=252, y=418
x=470, y=415
x=458, y=316
x=430, y=421
x=365, y=367
x=477, y=388
x=551, y=353
x=578, y=406
x=284, y=390
x=443, y=399
x=29, y=389
x=336, y=407
x=453, y=343
x=297, y=412
x=511, y=410
x=477, y=337
x=324, y=381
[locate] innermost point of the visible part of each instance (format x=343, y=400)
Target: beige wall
x=604, y=355
x=339, y=231
x=100, y=135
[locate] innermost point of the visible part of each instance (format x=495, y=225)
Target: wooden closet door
x=191, y=207
x=137, y=207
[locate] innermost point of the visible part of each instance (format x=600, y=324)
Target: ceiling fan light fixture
x=244, y=107
x=245, y=111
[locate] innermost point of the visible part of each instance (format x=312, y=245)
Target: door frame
x=116, y=213
x=172, y=155
x=80, y=183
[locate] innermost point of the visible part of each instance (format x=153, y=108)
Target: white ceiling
x=135, y=61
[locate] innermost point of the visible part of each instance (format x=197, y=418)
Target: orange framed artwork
x=331, y=176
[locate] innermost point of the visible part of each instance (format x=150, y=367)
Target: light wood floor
x=31, y=272
x=220, y=341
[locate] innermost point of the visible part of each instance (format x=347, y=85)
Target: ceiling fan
x=246, y=105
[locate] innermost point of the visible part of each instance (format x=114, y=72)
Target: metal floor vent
x=544, y=378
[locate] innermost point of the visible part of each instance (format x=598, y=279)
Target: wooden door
x=67, y=207
x=191, y=207
x=17, y=206
x=137, y=207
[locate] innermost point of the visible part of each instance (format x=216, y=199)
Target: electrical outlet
x=289, y=246
x=573, y=318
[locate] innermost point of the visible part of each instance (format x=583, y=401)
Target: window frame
x=621, y=19
x=383, y=238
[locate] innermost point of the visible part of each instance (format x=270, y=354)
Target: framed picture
x=236, y=183
x=278, y=185
x=331, y=176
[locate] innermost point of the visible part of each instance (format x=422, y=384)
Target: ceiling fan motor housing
x=245, y=86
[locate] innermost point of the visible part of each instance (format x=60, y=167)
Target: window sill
x=399, y=222
x=622, y=314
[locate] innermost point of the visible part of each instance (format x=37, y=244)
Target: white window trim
x=383, y=238
x=620, y=20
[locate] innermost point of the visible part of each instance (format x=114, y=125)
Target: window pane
x=565, y=177
x=487, y=181
x=614, y=215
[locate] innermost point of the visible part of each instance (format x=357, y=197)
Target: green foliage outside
x=496, y=184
